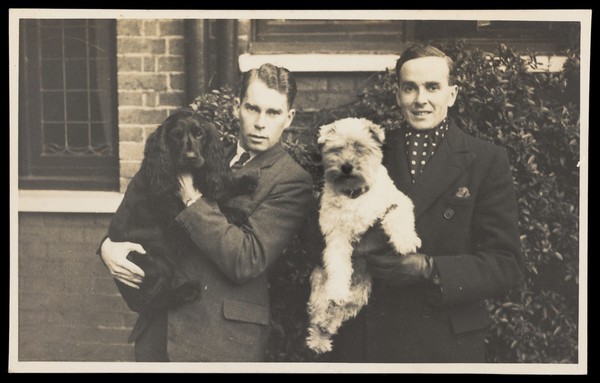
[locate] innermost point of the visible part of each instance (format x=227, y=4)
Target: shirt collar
x=441, y=129
x=238, y=153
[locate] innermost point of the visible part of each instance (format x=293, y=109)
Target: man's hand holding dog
x=114, y=256
x=386, y=264
x=187, y=191
x=399, y=270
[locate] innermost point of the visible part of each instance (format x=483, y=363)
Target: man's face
x=263, y=115
x=424, y=93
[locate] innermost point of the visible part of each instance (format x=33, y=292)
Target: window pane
x=54, y=106
x=75, y=42
x=77, y=137
x=51, y=43
x=100, y=74
x=101, y=138
x=99, y=42
x=76, y=23
x=54, y=137
x=77, y=106
x=76, y=73
x=51, y=23
x=52, y=75
x=99, y=107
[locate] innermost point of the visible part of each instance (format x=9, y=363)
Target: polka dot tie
x=421, y=145
x=237, y=165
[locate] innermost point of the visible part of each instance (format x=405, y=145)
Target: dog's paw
x=337, y=294
x=408, y=245
x=318, y=341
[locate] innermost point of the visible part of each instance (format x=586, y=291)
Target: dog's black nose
x=347, y=168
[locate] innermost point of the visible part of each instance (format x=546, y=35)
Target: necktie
x=237, y=165
x=421, y=146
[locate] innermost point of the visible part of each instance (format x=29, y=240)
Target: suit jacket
x=466, y=216
x=230, y=322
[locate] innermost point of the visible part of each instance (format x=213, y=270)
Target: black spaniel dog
x=185, y=142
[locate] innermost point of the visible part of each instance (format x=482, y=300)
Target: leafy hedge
x=535, y=116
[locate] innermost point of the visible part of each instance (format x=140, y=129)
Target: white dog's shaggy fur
x=357, y=193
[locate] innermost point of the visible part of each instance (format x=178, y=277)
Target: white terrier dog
x=357, y=193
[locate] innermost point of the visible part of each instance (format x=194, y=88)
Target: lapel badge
x=462, y=192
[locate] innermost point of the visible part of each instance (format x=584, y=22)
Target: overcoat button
x=449, y=213
x=426, y=312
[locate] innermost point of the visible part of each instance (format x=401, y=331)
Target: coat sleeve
x=497, y=261
x=244, y=252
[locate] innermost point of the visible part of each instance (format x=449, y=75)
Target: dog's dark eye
x=358, y=148
x=331, y=150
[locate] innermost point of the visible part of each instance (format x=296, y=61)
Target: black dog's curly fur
x=185, y=142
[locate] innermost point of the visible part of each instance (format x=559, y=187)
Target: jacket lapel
x=394, y=159
x=449, y=161
x=262, y=160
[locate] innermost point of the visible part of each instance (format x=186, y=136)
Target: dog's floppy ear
x=157, y=165
x=376, y=131
x=324, y=131
x=216, y=166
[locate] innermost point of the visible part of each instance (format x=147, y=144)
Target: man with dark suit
x=428, y=306
x=230, y=321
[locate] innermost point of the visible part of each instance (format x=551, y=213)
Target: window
x=67, y=105
x=328, y=36
x=539, y=36
x=391, y=36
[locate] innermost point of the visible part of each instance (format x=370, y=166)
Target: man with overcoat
x=429, y=306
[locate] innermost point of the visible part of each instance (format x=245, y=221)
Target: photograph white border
x=583, y=16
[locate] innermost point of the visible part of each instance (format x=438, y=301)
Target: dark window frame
x=329, y=36
x=540, y=37
x=548, y=38
x=63, y=172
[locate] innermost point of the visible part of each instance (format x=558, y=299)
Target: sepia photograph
x=325, y=191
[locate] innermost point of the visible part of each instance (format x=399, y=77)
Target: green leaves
x=536, y=117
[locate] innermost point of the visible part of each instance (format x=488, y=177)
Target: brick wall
x=315, y=90
x=151, y=82
x=69, y=306
x=327, y=90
